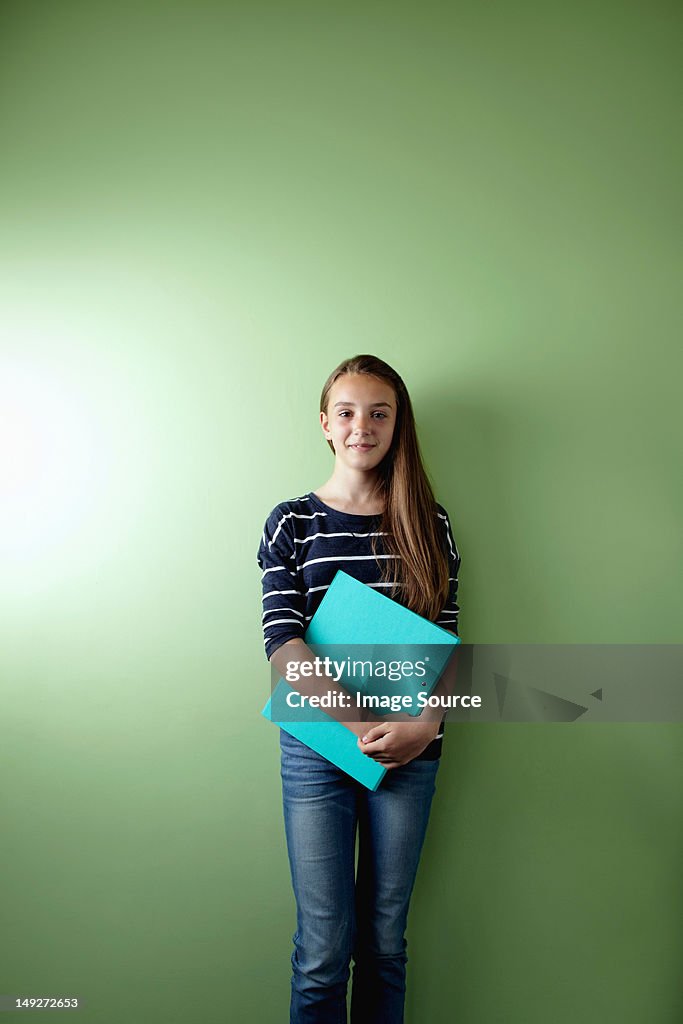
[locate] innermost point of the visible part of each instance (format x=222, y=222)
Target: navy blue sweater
x=304, y=543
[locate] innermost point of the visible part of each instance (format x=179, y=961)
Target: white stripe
x=271, y=592
x=270, y=611
x=343, y=558
x=448, y=533
x=293, y=515
x=276, y=622
x=305, y=540
x=278, y=568
x=312, y=590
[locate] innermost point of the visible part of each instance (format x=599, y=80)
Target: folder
x=354, y=614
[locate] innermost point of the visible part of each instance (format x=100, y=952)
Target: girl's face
x=360, y=419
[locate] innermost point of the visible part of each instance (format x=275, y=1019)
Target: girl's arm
x=284, y=618
x=295, y=651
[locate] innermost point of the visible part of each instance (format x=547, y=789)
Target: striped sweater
x=304, y=543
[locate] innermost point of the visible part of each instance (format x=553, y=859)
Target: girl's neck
x=357, y=496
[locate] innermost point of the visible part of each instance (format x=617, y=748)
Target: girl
x=375, y=518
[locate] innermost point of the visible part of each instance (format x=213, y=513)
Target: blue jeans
x=339, y=915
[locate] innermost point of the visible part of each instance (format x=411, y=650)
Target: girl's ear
x=325, y=424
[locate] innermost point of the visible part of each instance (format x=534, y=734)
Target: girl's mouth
x=362, y=447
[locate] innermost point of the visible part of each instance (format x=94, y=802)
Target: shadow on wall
x=474, y=456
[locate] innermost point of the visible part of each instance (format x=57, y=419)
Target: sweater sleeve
x=450, y=612
x=284, y=601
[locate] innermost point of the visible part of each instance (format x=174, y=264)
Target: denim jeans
x=339, y=915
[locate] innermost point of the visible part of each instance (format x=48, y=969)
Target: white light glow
x=48, y=457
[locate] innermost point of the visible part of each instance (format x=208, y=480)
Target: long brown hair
x=409, y=520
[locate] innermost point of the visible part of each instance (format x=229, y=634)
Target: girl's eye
x=381, y=415
x=344, y=412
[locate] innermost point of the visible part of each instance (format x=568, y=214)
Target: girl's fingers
x=373, y=747
x=376, y=732
x=386, y=760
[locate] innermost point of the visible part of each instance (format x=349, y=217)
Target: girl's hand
x=395, y=743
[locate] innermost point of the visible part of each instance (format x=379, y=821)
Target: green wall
x=203, y=208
